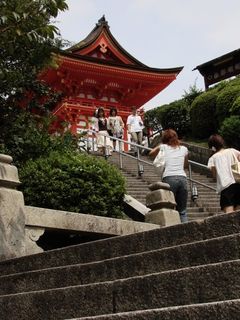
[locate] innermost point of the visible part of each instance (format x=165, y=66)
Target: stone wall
x=198, y=154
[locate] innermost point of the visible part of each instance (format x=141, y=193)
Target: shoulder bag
x=159, y=161
x=236, y=169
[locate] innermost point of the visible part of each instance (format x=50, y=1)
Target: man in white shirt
x=135, y=127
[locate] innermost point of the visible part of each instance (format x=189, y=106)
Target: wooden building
x=220, y=68
x=98, y=72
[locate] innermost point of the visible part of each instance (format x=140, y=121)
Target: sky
x=161, y=33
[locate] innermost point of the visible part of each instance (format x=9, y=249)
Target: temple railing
x=90, y=145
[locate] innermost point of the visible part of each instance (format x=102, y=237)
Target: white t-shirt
x=135, y=122
x=222, y=161
x=174, y=160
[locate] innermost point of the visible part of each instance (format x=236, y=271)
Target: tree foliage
x=27, y=40
x=190, y=95
x=26, y=43
x=29, y=138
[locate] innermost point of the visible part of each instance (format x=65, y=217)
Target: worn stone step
x=217, y=226
x=222, y=310
x=154, y=261
x=201, y=284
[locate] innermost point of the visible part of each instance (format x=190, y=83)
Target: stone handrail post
x=162, y=203
x=12, y=217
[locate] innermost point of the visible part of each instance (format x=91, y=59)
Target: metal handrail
x=139, y=160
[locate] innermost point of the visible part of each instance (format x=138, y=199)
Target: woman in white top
x=115, y=126
x=104, y=143
x=176, y=159
x=221, y=166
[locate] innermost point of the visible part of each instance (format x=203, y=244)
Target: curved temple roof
x=102, y=36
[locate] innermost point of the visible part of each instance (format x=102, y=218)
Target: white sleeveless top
x=174, y=160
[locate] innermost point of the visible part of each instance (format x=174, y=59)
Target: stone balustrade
x=21, y=226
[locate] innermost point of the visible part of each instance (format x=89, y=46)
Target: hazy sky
x=162, y=34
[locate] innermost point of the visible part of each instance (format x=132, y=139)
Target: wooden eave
x=108, y=64
x=217, y=61
x=139, y=84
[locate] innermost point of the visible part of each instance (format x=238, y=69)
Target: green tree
x=192, y=93
x=28, y=138
x=27, y=40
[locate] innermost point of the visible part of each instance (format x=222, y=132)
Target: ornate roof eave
x=218, y=60
x=100, y=27
x=166, y=71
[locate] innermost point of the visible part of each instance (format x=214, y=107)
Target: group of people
x=106, y=128
x=113, y=126
x=220, y=164
x=175, y=156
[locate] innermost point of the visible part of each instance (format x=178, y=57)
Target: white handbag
x=159, y=161
x=236, y=169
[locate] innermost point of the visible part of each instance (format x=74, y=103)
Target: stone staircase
x=187, y=271
x=206, y=205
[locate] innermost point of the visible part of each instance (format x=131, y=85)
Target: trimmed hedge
x=202, y=114
x=230, y=130
x=174, y=115
x=73, y=182
x=225, y=101
x=235, y=109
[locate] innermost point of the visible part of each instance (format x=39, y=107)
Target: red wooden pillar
x=125, y=137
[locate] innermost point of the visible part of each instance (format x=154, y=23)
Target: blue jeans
x=178, y=185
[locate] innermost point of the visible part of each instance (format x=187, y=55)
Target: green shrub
x=26, y=136
x=230, y=130
x=73, y=182
x=202, y=114
x=235, y=109
x=191, y=95
x=234, y=82
x=225, y=101
x=174, y=115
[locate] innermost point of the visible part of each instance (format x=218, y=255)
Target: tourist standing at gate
x=115, y=126
x=220, y=164
x=176, y=160
x=135, y=127
x=104, y=143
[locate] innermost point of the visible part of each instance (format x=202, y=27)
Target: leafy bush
x=26, y=136
x=230, y=130
x=235, y=109
x=225, y=101
x=73, y=182
x=202, y=114
x=191, y=95
x=174, y=115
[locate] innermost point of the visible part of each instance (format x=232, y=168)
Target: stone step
x=216, y=226
x=222, y=310
x=154, y=261
x=192, y=285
